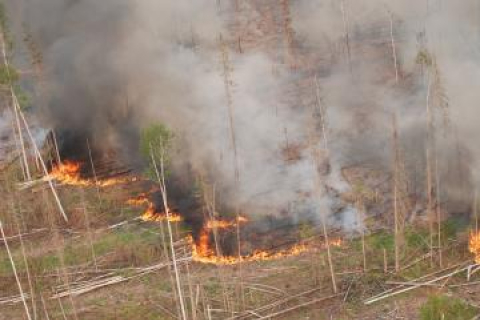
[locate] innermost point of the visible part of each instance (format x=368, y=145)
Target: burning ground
x=240, y=160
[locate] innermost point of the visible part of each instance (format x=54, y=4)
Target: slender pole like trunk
x=229, y=99
x=394, y=50
x=317, y=162
x=346, y=33
x=163, y=190
x=431, y=218
x=15, y=112
x=93, y=167
x=25, y=261
x=17, y=279
x=475, y=210
x=396, y=213
x=439, y=214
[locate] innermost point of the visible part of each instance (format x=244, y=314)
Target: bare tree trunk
x=475, y=210
x=288, y=31
x=439, y=214
x=396, y=214
x=44, y=308
x=15, y=112
x=25, y=261
x=228, y=82
x=163, y=190
x=394, y=51
x=57, y=152
x=385, y=261
x=430, y=214
x=93, y=167
x=317, y=124
x=346, y=33
x=360, y=217
x=89, y=232
x=20, y=289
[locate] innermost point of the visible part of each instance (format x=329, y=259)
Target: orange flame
x=474, y=245
x=223, y=224
x=68, y=173
x=139, y=200
x=151, y=215
x=203, y=253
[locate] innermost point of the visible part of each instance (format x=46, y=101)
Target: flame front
x=224, y=224
x=151, y=213
x=68, y=173
x=202, y=251
x=474, y=245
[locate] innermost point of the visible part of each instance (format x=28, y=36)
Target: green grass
x=446, y=308
x=141, y=246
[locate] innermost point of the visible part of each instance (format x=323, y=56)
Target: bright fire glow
x=152, y=215
x=203, y=253
x=68, y=173
x=474, y=245
x=139, y=200
x=223, y=224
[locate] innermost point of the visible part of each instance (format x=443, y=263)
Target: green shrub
x=446, y=308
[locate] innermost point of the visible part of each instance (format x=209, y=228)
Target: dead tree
x=318, y=129
x=288, y=35
x=228, y=82
x=401, y=202
x=346, y=33
x=394, y=50
x=160, y=174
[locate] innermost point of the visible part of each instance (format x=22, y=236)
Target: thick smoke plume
x=113, y=67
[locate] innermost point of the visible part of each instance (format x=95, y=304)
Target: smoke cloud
x=113, y=67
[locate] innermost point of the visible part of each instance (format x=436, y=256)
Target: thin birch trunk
x=12, y=263
x=44, y=307
x=439, y=213
x=319, y=188
x=57, y=152
x=93, y=167
x=396, y=175
x=429, y=172
x=394, y=50
x=89, y=232
x=27, y=268
x=161, y=179
x=346, y=33
x=228, y=94
x=15, y=112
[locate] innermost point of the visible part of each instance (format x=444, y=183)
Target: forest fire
x=139, y=200
x=223, y=224
x=69, y=173
x=474, y=245
x=203, y=252
x=152, y=215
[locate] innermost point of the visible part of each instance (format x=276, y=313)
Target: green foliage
x=451, y=227
x=22, y=97
x=442, y=308
x=157, y=141
x=416, y=238
x=424, y=58
x=4, y=26
x=305, y=230
x=8, y=75
x=381, y=240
